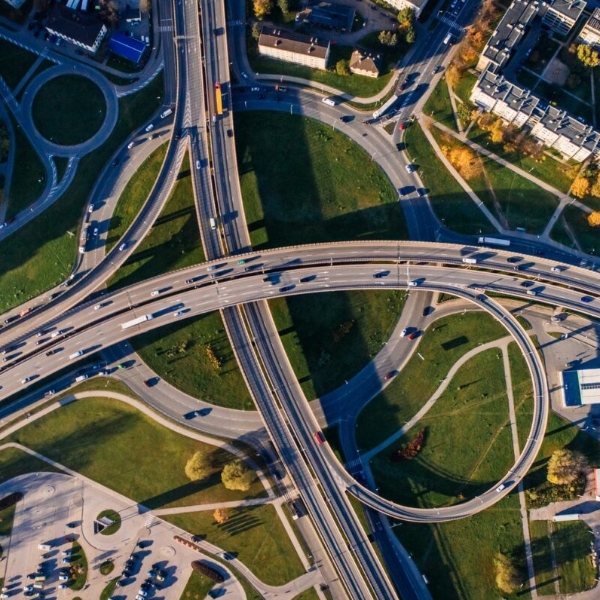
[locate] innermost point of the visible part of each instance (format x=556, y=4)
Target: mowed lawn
x=458, y=557
x=467, y=442
x=441, y=345
x=14, y=461
x=127, y=451
x=134, y=196
x=172, y=243
x=254, y=535
x=331, y=337
x=179, y=353
x=305, y=182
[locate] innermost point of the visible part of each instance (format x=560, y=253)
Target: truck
x=75, y=354
x=494, y=241
x=470, y=261
x=79, y=379
x=137, y=321
x=213, y=223
x=381, y=111
x=25, y=311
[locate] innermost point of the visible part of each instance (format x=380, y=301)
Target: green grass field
x=575, y=569
x=450, y=202
x=7, y=516
x=467, y=446
x=457, y=557
x=15, y=462
x=29, y=176
x=104, y=440
x=133, y=197
x=438, y=105
x=42, y=253
x=312, y=330
x=254, y=535
x=321, y=188
x=522, y=392
x=523, y=203
x=309, y=594
x=59, y=114
x=441, y=346
x=197, y=587
x=541, y=553
x=587, y=236
x=14, y=63
x=465, y=86
x=81, y=564
x=560, y=234
x=178, y=353
x=174, y=240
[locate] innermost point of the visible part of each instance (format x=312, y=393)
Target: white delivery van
x=213, y=224
x=329, y=101
x=75, y=354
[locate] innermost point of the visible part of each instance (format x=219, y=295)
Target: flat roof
x=127, y=47
x=569, y=8
x=291, y=41
x=83, y=27
x=336, y=16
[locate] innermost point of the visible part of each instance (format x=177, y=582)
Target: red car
x=391, y=374
x=412, y=335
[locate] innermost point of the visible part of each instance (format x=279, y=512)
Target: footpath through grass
x=68, y=109
x=441, y=345
x=254, y=535
x=330, y=337
x=452, y=205
x=322, y=187
x=186, y=354
x=467, y=441
x=458, y=557
x=174, y=240
x=42, y=253
x=134, y=196
x=127, y=451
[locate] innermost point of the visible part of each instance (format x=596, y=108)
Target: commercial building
x=81, y=29
x=365, y=63
x=561, y=15
x=581, y=386
x=127, y=47
x=416, y=5
x=294, y=47
x=590, y=33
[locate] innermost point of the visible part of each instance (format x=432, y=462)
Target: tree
x=508, y=576
x=580, y=187
x=146, y=6
x=588, y=56
x=342, y=67
x=237, y=476
x=452, y=75
x=497, y=132
x=465, y=161
x=410, y=35
x=284, y=6
x=406, y=17
x=262, y=8
x=256, y=28
x=221, y=515
x=198, y=466
x=387, y=38
x=565, y=466
x=594, y=219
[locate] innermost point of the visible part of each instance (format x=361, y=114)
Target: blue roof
x=127, y=47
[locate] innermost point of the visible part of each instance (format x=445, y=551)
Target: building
x=416, y=5
x=131, y=15
x=518, y=106
x=281, y=44
x=507, y=35
x=365, y=63
x=127, y=47
x=561, y=15
x=82, y=29
x=330, y=16
x=581, y=386
x=15, y=3
x=590, y=33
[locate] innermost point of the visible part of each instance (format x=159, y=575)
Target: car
x=114, y=163
x=557, y=269
x=63, y=577
x=197, y=164
x=526, y=283
x=98, y=306
x=255, y=89
x=122, y=246
x=228, y=556
x=402, y=127
x=389, y=375
x=402, y=86
x=67, y=552
x=533, y=292
x=229, y=133
x=125, y=573
x=72, y=525
x=421, y=192
x=514, y=259
x=410, y=168
x=142, y=593
x=56, y=333
x=28, y=588
x=62, y=586
x=155, y=292
x=53, y=351
x=412, y=336
x=50, y=393
x=500, y=487
x=587, y=299
x=130, y=145
x=556, y=318
x=95, y=232
x=380, y=274
x=39, y=342
x=404, y=332
x=413, y=283
x=67, y=560
x=346, y=118
x=149, y=127
x=244, y=75
x=26, y=379
x=121, y=366
x=177, y=313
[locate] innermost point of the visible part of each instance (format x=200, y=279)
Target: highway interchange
x=241, y=294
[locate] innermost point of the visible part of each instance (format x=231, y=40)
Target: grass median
x=117, y=446
x=322, y=187
x=330, y=337
x=15, y=62
x=174, y=240
x=41, y=254
x=441, y=345
x=254, y=535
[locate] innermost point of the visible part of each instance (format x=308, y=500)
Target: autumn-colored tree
x=565, y=466
x=262, y=8
x=594, y=219
x=237, y=476
x=256, y=29
x=221, y=515
x=580, y=187
x=342, y=67
x=146, y=6
x=497, y=132
x=588, y=56
x=465, y=161
x=406, y=17
x=387, y=38
x=508, y=577
x=198, y=466
x=453, y=75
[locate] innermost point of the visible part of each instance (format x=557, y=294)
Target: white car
x=130, y=145
x=178, y=313
x=26, y=380
x=122, y=246
x=244, y=75
x=63, y=577
x=155, y=292
x=413, y=283
x=197, y=164
x=91, y=208
x=404, y=332
x=150, y=127
x=409, y=168
x=97, y=306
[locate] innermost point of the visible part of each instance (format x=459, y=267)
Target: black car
x=53, y=351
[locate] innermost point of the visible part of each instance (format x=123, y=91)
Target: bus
x=218, y=98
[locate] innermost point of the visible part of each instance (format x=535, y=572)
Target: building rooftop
x=510, y=30
x=365, y=61
x=593, y=22
x=293, y=42
x=571, y=9
x=127, y=47
x=333, y=16
x=83, y=27
x=581, y=386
